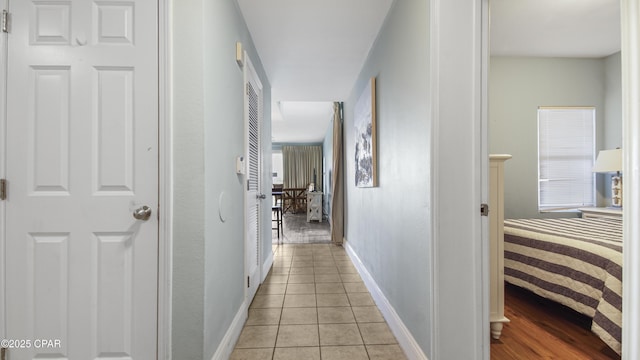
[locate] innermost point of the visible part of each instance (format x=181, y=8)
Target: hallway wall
x=388, y=226
x=208, y=125
x=188, y=181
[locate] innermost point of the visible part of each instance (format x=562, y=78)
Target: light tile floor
x=314, y=305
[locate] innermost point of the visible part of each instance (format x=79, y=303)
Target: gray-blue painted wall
x=208, y=127
x=388, y=226
x=517, y=86
x=188, y=182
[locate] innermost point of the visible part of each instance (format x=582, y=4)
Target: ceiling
x=313, y=50
x=555, y=28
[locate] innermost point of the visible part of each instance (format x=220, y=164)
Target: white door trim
x=3, y=164
x=456, y=190
x=434, y=41
x=630, y=57
x=165, y=173
x=484, y=176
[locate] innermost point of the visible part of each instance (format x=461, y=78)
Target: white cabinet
x=601, y=212
x=314, y=206
x=496, y=238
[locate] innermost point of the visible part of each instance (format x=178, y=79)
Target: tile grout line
x=275, y=343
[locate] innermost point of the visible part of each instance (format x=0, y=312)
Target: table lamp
x=610, y=161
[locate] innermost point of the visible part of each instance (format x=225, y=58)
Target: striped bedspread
x=576, y=262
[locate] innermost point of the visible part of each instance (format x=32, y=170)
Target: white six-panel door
x=81, y=157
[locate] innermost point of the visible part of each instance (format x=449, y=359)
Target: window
x=566, y=153
x=276, y=167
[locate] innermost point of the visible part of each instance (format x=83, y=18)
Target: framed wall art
x=366, y=161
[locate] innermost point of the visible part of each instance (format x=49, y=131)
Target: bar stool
x=277, y=210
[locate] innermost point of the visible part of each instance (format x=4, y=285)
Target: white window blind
x=566, y=153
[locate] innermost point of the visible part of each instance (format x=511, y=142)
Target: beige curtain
x=299, y=164
x=337, y=183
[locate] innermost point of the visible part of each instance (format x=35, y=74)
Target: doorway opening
x=554, y=71
x=301, y=164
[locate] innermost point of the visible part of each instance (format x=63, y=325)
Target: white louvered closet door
x=253, y=122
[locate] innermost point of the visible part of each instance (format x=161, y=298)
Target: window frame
x=568, y=206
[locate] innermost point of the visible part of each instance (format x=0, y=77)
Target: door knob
x=261, y=196
x=142, y=213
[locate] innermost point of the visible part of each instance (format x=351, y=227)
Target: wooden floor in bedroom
x=541, y=329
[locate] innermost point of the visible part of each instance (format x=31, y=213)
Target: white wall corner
x=233, y=333
x=405, y=339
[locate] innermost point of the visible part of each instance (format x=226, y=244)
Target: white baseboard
x=405, y=339
x=266, y=266
x=233, y=333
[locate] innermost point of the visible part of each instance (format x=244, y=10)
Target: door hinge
x=248, y=281
x=5, y=21
x=484, y=209
x=3, y=189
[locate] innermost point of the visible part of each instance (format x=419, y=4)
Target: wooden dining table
x=294, y=200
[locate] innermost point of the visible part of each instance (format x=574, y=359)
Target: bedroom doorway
x=631, y=138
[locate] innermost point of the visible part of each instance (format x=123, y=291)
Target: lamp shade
x=608, y=161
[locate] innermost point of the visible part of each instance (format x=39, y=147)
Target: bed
x=576, y=262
